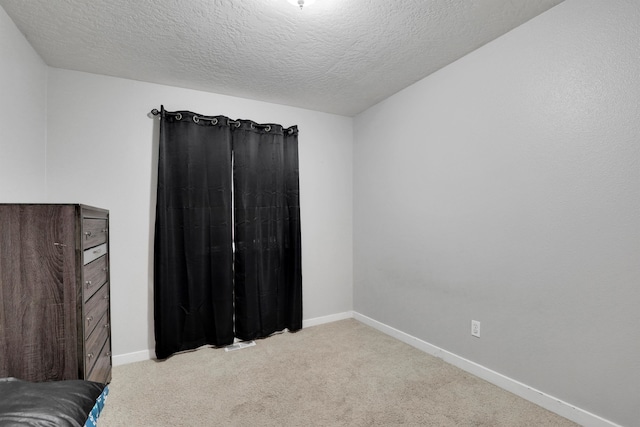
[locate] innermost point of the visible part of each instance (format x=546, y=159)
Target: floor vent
x=239, y=345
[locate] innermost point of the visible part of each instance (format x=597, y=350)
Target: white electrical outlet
x=475, y=328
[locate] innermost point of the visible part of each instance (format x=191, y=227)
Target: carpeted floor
x=338, y=374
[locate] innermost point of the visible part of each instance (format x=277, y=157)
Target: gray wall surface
x=124, y=151
x=23, y=117
x=505, y=188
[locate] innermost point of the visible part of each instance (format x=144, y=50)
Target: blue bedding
x=92, y=420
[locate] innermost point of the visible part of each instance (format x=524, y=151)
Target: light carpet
x=343, y=373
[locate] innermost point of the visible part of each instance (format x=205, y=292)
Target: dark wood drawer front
x=95, y=275
x=94, y=232
x=95, y=308
x=95, y=342
x=101, y=372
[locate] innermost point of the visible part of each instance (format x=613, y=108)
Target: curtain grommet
x=196, y=119
x=214, y=122
x=179, y=116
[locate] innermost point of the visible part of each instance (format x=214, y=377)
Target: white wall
x=23, y=101
x=103, y=152
x=506, y=188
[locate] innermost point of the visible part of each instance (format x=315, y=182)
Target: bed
x=73, y=403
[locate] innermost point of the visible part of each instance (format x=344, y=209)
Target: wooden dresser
x=54, y=292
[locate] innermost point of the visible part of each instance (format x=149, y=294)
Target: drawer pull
x=87, y=233
x=105, y=297
x=97, y=251
x=106, y=325
x=105, y=269
x=89, y=319
x=88, y=283
x=105, y=230
x=108, y=354
x=89, y=355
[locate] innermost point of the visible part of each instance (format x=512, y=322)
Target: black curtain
x=197, y=293
x=268, y=278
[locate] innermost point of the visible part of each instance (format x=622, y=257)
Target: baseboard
x=327, y=319
x=538, y=397
x=138, y=356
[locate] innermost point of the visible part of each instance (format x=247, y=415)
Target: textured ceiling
x=337, y=56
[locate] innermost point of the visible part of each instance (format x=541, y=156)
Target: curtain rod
x=196, y=118
x=214, y=121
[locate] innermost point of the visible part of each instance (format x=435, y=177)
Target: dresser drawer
x=94, y=253
x=94, y=343
x=94, y=232
x=95, y=308
x=95, y=275
x=101, y=371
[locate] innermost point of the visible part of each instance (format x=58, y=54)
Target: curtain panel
x=225, y=183
x=268, y=277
